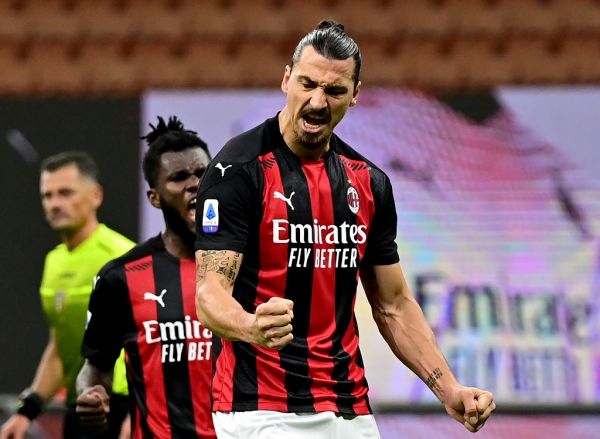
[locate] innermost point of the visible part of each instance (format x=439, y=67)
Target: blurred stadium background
x=483, y=112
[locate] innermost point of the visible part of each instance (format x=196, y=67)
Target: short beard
x=310, y=141
x=178, y=225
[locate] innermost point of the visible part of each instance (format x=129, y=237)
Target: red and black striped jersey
x=305, y=229
x=144, y=301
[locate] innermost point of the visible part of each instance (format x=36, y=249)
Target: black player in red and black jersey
x=144, y=302
x=289, y=217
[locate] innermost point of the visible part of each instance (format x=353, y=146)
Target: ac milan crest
x=353, y=199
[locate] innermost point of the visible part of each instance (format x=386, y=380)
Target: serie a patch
x=210, y=216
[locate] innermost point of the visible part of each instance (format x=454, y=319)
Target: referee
x=71, y=196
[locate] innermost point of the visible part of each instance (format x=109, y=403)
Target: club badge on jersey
x=210, y=216
x=59, y=301
x=353, y=199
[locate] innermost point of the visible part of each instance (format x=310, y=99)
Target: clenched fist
x=272, y=327
x=93, y=405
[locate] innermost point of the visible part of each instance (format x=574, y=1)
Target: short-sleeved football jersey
x=65, y=291
x=145, y=301
x=305, y=228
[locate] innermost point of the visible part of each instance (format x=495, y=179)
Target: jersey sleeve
x=381, y=241
x=103, y=337
x=225, y=211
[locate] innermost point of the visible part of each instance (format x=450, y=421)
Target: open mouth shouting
x=313, y=123
x=192, y=209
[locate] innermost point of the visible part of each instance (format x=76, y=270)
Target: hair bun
x=330, y=23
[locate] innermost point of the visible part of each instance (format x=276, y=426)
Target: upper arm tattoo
x=227, y=263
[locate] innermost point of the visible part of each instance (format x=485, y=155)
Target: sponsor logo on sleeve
x=222, y=168
x=210, y=216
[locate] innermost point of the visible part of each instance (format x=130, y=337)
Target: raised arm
x=405, y=329
x=216, y=272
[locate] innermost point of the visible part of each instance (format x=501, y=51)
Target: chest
x=319, y=193
x=161, y=289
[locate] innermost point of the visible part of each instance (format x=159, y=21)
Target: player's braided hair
x=331, y=40
x=165, y=137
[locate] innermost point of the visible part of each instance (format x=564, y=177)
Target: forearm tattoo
x=433, y=377
x=224, y=262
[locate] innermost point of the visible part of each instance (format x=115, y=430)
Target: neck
x=179, y=246
x=287, y=132
x=73, y=239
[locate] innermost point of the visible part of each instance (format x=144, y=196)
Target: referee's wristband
x=30, y=404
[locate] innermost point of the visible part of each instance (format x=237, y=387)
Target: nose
x=192, y=183
x=318, y=99
x=51, y=203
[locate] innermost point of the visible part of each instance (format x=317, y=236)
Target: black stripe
x=167, y=275
x=245, y=379
x=294, y=357
x=345, y=287
x=217, y=347
x=135, y=370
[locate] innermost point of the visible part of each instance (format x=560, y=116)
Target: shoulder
x=248, y=145
x=353, y=159
x=56, y=253
x=137, y=253
x=240, y=153
x=113, y=241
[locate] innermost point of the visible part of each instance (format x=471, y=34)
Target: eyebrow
x=340, y=87
x=306, y=79
x=187, y=171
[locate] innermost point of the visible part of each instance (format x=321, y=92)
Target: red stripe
x=139, y=282
x=223, y=380
x=136, y=432
x=199, y=356
x=270, y=376
x=361, y=180
x=322, y=309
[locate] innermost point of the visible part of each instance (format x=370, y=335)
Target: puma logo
x=223, y=169
x=279, y=196
x=159, y=298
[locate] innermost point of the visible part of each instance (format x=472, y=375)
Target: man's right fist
x=273, y=323
x=93, y=405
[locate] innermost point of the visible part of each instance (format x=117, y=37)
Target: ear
x=153, y=198
x=97, y=195
x=354, y=100
x=286, y=78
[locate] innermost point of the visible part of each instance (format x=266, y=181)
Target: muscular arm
x=403, y=326
x=216, y=271
x=217, y=309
